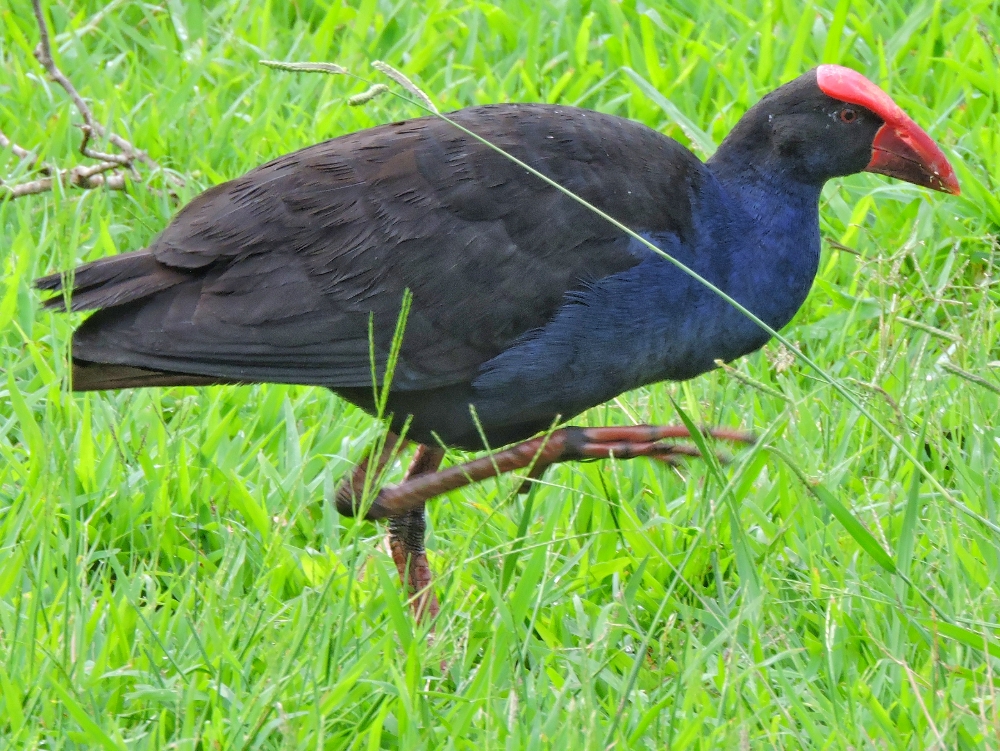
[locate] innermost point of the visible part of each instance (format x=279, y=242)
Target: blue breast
x=756, y=241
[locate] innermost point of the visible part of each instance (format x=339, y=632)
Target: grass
x=172, y=575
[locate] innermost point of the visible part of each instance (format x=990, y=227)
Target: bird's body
x=527, y=307
x=516, y=287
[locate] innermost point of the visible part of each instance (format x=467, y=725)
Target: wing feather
x=275, y=275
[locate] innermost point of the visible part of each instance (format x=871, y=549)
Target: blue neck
x=771, y=231
x=756, y=237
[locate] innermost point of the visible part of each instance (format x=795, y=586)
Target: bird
x=518, y=307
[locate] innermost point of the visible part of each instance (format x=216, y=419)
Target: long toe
x=654, y=433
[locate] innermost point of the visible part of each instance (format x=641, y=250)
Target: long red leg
x=350, y=490
x=567, y=444
x=406, y=539
x=406, y=531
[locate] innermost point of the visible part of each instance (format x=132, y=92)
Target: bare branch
x=107, y=172
x=26, y=189
x=78, y=177
x=43, y=53
x=19, y=152
x=85, y=177
x=93, y=154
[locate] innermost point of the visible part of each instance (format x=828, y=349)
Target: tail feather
x=110, y=281
x=90, y=376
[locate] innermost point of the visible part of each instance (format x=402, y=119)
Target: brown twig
x=837, y=246
x=19, y=151
x=43, y=53
x=113, y=159
x=79, y=177
x=92, y=176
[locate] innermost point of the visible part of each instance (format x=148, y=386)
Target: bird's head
x=832, y=121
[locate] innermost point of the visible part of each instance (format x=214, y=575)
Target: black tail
x=94, y=376
x=110, y=281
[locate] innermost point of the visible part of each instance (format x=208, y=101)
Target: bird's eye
x=848, y=115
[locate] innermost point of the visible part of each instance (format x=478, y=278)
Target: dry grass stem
x=405, y=82
x=331, y=68
x=366, y=96
x=87, y=177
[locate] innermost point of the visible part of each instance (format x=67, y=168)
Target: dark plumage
x=272, y=277
x=517, y=289
x=526, y=306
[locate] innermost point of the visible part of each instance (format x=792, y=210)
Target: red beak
x=901, y=148
x=911, y=155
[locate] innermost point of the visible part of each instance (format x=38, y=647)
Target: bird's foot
x=566, y=444
x=633, y=441
x=406, y=541
x=406, y=531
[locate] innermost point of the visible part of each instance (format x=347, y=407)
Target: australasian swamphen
x=526, y=307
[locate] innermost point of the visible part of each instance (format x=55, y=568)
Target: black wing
x=274, y=275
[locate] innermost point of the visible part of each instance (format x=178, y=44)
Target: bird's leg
x=406, y=539
x=351, y=488
x=566, y=444
x=534, y=473
x=406, y=531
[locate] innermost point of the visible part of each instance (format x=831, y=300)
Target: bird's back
x=275, y=275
